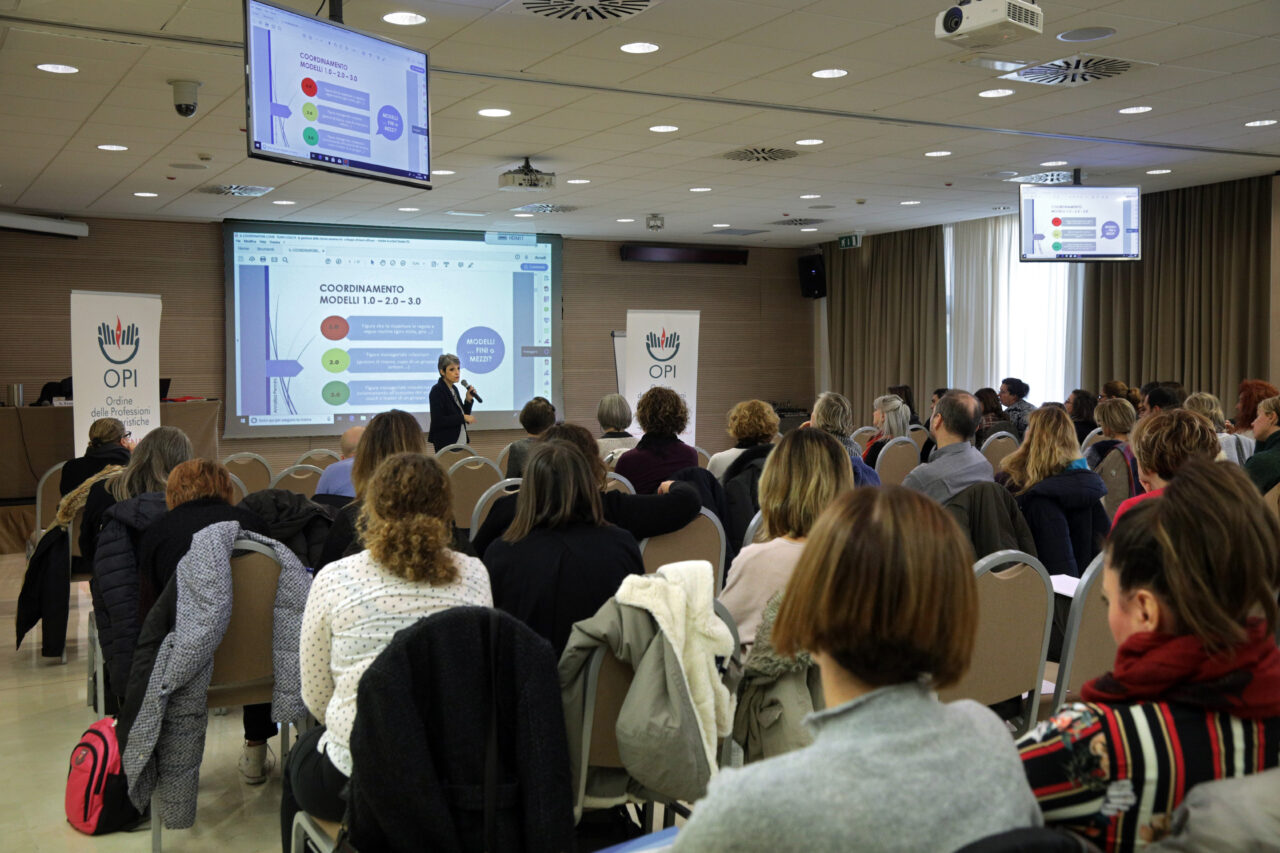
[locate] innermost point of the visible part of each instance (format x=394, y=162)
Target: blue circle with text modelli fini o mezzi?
x=481, y=350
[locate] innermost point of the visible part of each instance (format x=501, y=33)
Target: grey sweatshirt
x=894, y=770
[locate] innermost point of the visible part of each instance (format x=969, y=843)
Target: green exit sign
x=850, y=241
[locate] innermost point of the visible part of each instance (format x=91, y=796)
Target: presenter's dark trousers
x=311, y=784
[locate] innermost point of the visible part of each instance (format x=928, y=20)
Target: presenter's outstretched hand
x=469, y=418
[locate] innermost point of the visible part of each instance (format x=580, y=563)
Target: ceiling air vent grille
x=545, y=208
x=1072, y=71
x=797, y=222
x=761, y=155
x=238, y=190
x=586, y=10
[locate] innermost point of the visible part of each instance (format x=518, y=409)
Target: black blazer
x=447, y=409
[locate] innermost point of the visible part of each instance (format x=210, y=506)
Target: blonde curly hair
x=753, y=420
x=405, y=519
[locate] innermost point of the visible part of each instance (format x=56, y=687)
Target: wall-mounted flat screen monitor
x=1072, y=223
x=327, y=326
x=324, y=96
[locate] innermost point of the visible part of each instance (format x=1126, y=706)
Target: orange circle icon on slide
x=334, y=328
x=309, y=87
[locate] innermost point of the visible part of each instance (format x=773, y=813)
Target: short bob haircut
x=753, y=421
x=558, y=489
x=445, y=361
x=582, y=438
x=801, y=477
x=885, y=588
x=897, y=417
x=1167, y=440
x=614, y=413
x=105, y=431
x=197, y=479
x=833, y=413
x=159, y=452
x=537, y=415
x=1115, y=415
x=405, y=518
x=661, y=411
x=390, y=432
x=1209, y=549
x=1204, y=403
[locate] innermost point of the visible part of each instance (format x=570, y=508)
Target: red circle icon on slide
x=309, y=87
x=334, y=328
x=1056, y=222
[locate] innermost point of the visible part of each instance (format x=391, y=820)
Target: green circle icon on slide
x=309, y=111
x=310, y=136
x=1057, y=247
x=335, y=360
x=336, y=393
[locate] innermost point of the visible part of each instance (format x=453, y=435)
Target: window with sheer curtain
x=1008, y=318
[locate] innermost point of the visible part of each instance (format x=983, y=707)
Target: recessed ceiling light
x=55, y=68
x=664, y=128
x=494, y=112
x=113, y=147
x=908, y=202
x=465, y=213
x=1087, y=34
x=1051, y=163
x=937, y=153
x=829, y=73
x=995, y=93
x=720, y=225
x=404, y=19
x=146, y=195
x=403, y=209
x=1159, y=171
x=1262, y=122
x=808, y=142
x=283, y=202
x=808, y=229
x=624, y=220
x=1130, y=111
x=810, y=195
x=524, y=215
x=639, y=47
x=699, y=189
x=578, y=181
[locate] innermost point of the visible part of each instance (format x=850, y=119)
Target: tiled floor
x=43, y=713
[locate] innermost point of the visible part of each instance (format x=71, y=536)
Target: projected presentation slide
x=329, y=330
x=1080, y=223
x=334, y=98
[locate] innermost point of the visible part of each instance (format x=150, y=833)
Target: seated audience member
x=1162, y=444
x=537, y=415
x=356, y=606
x=388, y=433
x=956, y=464
x=1189, y=582
x=659, y=453
x=1017, y=410
x=927, y=447
x=614, y=416
x=336, y=479
x=885, y=601
x=1115, y=417
x=1059, y=496
x=803, y=475
x=1263, y=467
x=198, y=494
x=109, y=444
x=751, y=423
x=936, y=396
x=908, y=396
x=1118, y=390
x=674, y=506
x=890, y=416
x=994, y=419
x=1161, y=398
x=156, y=455
x=1080, y=406
x=833, y=414
x=559, y=560
x=1252, y=392
x=1236, y=447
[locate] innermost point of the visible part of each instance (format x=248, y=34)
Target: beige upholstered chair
x=864, y=434
x=502, y=488
x=47, y=498
x=469, y=477
x=1114, y=472
x=252, y=470
x=918, y=434
x=615, y=482
x=451, y=453
x=299, y=479
x=704, y=458
x=1089, y=440
x=1088, y=649
x=896, y=460
x=997, y=447
x=700, y=539
x=321, y=457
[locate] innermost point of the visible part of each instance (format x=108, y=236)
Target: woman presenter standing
x=449, y=412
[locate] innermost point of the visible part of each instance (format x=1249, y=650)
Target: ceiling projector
x=526, y=179
x=983, y=24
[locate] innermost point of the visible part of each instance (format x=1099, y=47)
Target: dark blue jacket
x=1067, y=520
x=446, y=416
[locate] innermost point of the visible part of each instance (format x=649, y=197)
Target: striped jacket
x=1115, y=773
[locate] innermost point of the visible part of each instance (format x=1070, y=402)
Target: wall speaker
x=813, y=276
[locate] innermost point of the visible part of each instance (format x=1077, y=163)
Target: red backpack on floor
x=97, y=798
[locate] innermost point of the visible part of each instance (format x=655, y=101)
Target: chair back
x=502, y=457
x=896, y=460
x=1094, y=435
x=753, y=529
x=1272, y=499
x=321, y=457
x=918, y=434
x=469, y=478
x=73, y=532
x=299, y=479
x=48, y=497
x=1015, y=615
x=704, y=458
x=615, y=482
x=863, y=434
x=1115, y=473
x=700, y=539
x=238, y=490
x=997, y=447
x=252, y=470
x=502, y=488
x=451, y=453
x=1088, y=649
x=243, y=664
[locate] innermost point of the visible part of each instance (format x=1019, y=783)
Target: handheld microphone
x=477, y=397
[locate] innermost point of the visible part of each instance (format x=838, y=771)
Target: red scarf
x=1161, y=668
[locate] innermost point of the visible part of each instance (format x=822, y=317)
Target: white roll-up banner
x=662, y=349
x=115, y=361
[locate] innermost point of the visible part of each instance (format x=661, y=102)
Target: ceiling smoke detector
x=586, y=10
x=761, y=155
x=1073, y=71
x=525, y=178
x=237, y=190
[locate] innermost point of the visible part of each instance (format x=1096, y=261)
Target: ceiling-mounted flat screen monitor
x=324, y=96
x=1071, y=223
